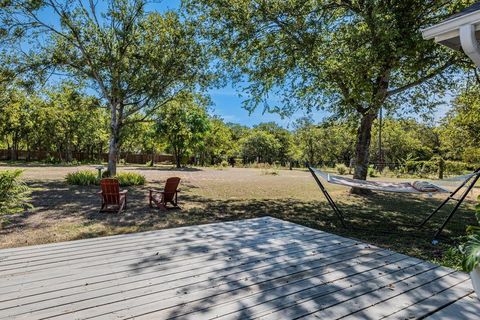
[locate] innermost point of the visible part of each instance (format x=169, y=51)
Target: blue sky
x=228, y=105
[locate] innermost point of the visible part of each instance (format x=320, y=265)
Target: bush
x=82, y=178
x=341, y=168
x=52, y=160
x=87, y=178
x=14, y=193
x=471, y=249
x=431, y=167
x=224, y=163
x=130, y=179
x=372, y=173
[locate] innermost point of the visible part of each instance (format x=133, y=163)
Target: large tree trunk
x=114, y=141
x=113, y=154
x=178, y=159
x=68, y=152
x=364, y=135
x=153, y=157
x=15, y=148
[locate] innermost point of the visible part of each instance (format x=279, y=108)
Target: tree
x=15, y=121
x=307, y=140
x=63, y=120
x=75, y=121
x=217, y=144
x=183, y=122
x=136, y=60
x=460, y=130
x=404, y=138
x=283, y=138
x=260, y=146
x=349, y=57
x=327, y=143
x=142, y=137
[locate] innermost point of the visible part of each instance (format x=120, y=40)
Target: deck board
x=258, y=268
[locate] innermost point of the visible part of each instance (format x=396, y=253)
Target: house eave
x=448, y=31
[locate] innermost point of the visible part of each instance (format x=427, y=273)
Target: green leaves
x=82, y=178
x=260, y=146
x=471, y=251
x=14, y=193
x=88, y=177
x=337, y=55
x=183, y=122
x=135, y=60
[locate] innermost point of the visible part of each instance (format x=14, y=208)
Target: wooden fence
x=82, y=156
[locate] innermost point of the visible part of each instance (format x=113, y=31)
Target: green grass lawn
x=64, y=212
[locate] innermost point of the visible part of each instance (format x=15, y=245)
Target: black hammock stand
x=456, y=195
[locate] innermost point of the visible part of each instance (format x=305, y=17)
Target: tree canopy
x=135, y=60
x=183, y=122
x=88, y=77
x=348, y=57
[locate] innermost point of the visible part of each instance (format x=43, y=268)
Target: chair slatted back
x=110, y=191
x=170, y=188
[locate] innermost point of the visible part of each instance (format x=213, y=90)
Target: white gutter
x=458, y=31
x=469, y=43
x=451, y=25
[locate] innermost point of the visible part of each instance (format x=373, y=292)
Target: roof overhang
x=459, y=33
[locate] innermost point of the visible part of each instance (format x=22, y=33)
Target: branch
x=151, y=111
x=431, y=75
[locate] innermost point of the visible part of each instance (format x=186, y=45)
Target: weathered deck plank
x=258, y=268
x=467, y=308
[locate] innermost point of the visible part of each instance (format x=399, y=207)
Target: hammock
x=465, y=182
x=384, y=186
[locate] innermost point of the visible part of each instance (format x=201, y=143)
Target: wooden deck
x=260, y=268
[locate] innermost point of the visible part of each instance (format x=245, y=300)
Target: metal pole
x=459, y=202
x=380, y=151
x=330, y=201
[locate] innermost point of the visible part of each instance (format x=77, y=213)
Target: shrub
x=87, y=178
x=431, y=167
x=471, y=249
x=14, y=193
x=372, y=173
x=82, y=178
x=52, y=160
x=341, y=168
x=130, y=179
x=224, y=163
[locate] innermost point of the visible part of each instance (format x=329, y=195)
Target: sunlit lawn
x=64, y=212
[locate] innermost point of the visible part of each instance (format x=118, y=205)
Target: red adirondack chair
x=113, y=199
x=168, y=195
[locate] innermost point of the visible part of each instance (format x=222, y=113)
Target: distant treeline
x=65, y=123
x=81, y=157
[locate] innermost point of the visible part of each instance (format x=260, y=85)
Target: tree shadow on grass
x=381, y=219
